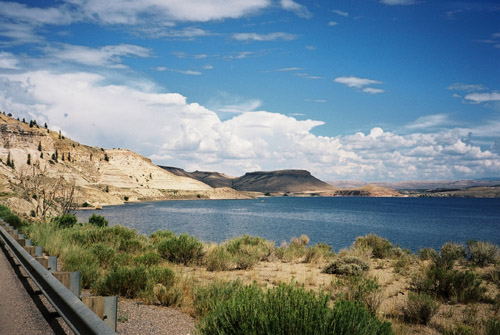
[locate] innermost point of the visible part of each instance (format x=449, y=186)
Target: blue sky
x=375, y=90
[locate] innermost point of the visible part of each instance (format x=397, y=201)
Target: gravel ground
x=23, y=309
x=135, y=318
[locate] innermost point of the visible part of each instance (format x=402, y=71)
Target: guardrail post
x=20, y=239
x=28, y=243
x=48, y=262
x=72, y=280
x=38, y=251
x=104, y=307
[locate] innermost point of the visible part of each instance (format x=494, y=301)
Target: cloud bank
x=171, y=131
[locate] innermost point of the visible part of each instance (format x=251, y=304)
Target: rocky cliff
x=34, y=160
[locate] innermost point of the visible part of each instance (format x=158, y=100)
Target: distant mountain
x=441, y=184
x=214, y=179
x=282, y=181
x=369, y=190
x=293, y=181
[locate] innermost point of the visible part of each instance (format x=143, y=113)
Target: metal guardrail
x=78, y=316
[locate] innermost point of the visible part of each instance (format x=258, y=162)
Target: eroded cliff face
x=44, y=159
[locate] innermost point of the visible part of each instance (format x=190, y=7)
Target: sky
x=373, y=90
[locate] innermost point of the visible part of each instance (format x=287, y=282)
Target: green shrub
x=148, y=259
x=180, y=249
x=363, y=289
x=13, y=220
x=493, y=327
x=450, y=253
x=381, y=247
x=98, y=220
x=66, y=220
x=127, y=282
x=483, y=253
x=293, y=251
x=420, y=308
x=160, y=235
x=427, y=254
x=104, y=254
x=206, y=298
x=449, y=284
x=348, y=265
x=219, y=259
x=287, y=309
x=318, y=253
x=167, y=296
x=164, y=276
x=260, y=248
x=84, y=261
x=458, y=330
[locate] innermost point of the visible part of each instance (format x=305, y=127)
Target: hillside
x=48, y=165
x=213, y=179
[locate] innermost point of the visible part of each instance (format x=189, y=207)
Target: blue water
x=412, y=223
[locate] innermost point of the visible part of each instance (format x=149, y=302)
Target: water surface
x=409, y=222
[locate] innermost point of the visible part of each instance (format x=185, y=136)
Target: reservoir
x=411, y=223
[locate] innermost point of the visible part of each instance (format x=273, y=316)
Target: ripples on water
x=410, y=222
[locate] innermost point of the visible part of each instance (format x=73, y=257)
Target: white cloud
x=109, y=56
x=172, y=131
x=297, y=8
x=132, y=12
x=360, y=84
x=186, y=72
x=398, y=2
x=356, y=82
x=332, y=23
x=8, y=61
x=307, y=76
x=372, y=90
x=240, y=55
x=247, y=106
x=316, y=100
x=430, y=121
x=311, y=47
x=341, y=13
x=37, y=16
x=254, y=37
x=466, y=87
x=289, y=69
x=482, y=97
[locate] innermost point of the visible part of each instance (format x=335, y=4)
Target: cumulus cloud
x=360, y=84
x=255, y=37
x=109, y=56
x=297, y=8
x=165, y=127
x=482, y=97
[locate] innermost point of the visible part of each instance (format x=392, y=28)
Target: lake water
x=412, y=223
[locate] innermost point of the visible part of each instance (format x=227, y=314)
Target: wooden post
x=104, y=307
